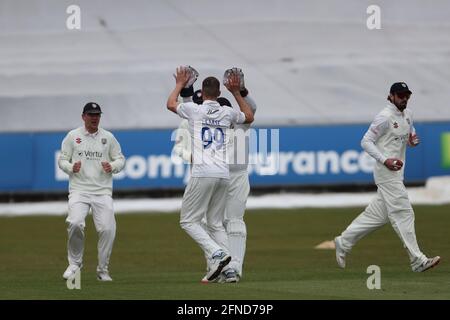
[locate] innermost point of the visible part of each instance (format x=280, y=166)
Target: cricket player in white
x=206, y=192
x=239, y=187
x=90, y=155
x=238, y=192
x=386, y=140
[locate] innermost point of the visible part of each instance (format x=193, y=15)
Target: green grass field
x=154, y=259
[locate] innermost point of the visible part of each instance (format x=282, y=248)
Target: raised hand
x=234, y=83
x=182, y=76
x=231, y=71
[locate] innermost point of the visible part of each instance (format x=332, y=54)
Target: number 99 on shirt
x=209, y=136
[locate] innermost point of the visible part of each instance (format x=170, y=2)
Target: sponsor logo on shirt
x=403, y=138
x=91, y=155
x=212, y=111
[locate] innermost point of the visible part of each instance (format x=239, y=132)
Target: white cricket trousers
x=205, y=197
x=238, y=192
x=105, y=224
x=390, y=204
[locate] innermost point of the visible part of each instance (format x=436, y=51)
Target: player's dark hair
x=211, y=87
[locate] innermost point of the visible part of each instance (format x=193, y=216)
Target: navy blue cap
x=92, y=107
x=197, y=97
x=224, y=101
x=400, y=87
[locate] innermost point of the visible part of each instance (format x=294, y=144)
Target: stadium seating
x=306, y=62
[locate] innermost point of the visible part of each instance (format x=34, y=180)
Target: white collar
x=393, y=108
x=211, y=103
x=86, y=133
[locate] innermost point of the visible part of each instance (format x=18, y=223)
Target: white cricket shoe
x=340, y=253
x=103, y=276
x=230, y=276
x=219, y=260
x=71, y=271
x=430, y=263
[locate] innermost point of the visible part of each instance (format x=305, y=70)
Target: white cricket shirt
x=91, y=150
x=209, y=125
x=387, y=137
x=240, y=143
